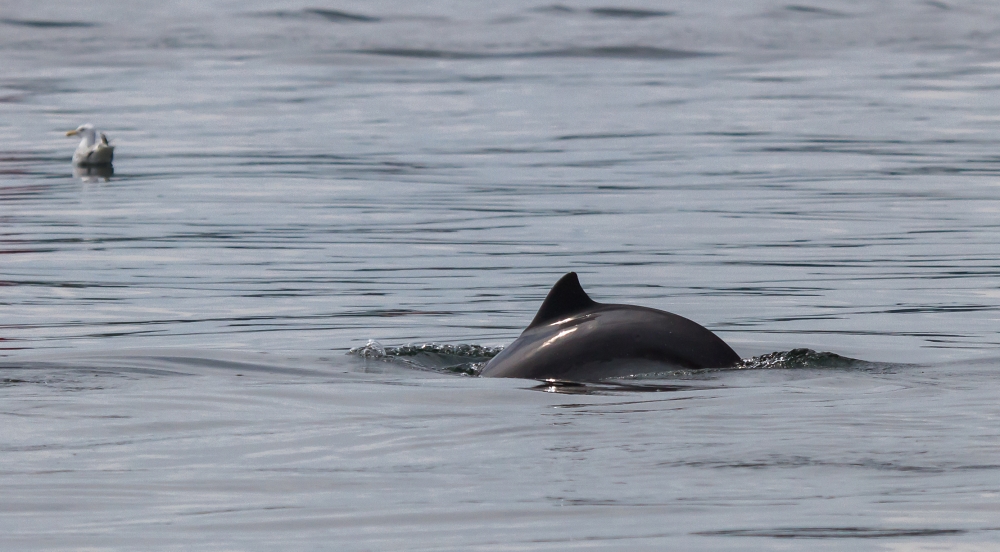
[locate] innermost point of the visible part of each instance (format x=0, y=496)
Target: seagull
x=91, y=151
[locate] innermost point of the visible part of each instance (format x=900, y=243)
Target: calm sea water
x=293, y=180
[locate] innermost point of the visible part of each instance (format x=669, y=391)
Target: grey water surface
x=296, y=180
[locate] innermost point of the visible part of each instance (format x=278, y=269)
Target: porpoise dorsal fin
x=564, y=299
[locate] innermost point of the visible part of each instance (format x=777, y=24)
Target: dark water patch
x=831, y=533
x=887, y=148
x=391, y=313
x=507, y=20
x=942, y=170
x=761, y=291
x=47, y=24
x=978, y=467
x=774, y=79
x=608, y=135
x=504, y=151
x=596, y=163
x=622, y=52
x=629, y=13
x=420, y=53
x=737, y=133
x=615, y=52
x=609, y=12
x=942, y=308
x=340, y=16
x=813, y=11
x=797, y=461
x=336, y=16
x=482, y=78
x=938, y=5
x=554, y=8
x=32, y=250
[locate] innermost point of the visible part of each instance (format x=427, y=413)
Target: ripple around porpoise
x=470, y=359
x=456, y=359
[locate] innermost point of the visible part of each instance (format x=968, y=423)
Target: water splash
x=461, y=358
x=804, y=358
x=372, y=349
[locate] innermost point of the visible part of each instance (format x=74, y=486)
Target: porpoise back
x=575, y=338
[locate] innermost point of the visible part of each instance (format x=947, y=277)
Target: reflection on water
x=611, y=387
x=94, y=173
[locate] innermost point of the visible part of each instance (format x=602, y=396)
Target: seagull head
x=87, y=132
x=81, y=130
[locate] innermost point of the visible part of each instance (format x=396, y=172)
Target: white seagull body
x=92, y=150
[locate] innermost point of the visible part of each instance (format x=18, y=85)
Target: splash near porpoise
x=574, y=338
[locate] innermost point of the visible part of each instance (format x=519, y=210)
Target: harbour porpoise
x=575, y=338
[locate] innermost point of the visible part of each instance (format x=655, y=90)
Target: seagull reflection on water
x=93, y=173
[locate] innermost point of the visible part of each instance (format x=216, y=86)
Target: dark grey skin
x=574, y=338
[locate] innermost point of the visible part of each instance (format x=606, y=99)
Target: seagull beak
x=72, y=133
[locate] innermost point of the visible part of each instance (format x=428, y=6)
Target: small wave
x=804, y=358
x=629, y=13
x=621, y=13
x=607, y=135
x=458, y=359
x=41, y=24
x=554, y=8
x=615, y=52
x=813, y=11
x=335, y=16
x=832, y=533
x=338, y=16
x=795, y=359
